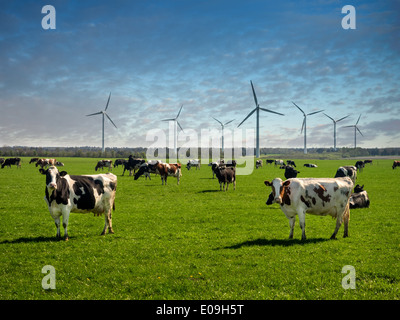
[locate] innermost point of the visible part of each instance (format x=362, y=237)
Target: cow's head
x=52, y=175
x=278, y=190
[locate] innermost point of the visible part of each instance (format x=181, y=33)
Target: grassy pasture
x=194, y=242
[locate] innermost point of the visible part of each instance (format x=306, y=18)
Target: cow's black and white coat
x=86, y=193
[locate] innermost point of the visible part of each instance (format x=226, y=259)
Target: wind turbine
x=355, y=131
x=175, y=120
x=257, y=108
x=104, y=113
x=223, y=125
x=334, y=128
x=304, y=126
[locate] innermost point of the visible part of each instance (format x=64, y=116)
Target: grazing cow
x=270, y=161
x=310, y=165
x=12, y=161
x=279, y=162
x=226, y=175
x=359, y=198
x=45, y=163
x=258, y=164
x=168, y=169
x=395, y=164
x=2, y=160
x=318, y=196
x=193, y=163
x=291, y=163
x=88, y=193
x=33, y=160
x=347, y=171
x=145, y=169
x=135, y=163
x=367, y=161
x=290, y=172
x=119, y=162
x=104, y=163
x=360, y=165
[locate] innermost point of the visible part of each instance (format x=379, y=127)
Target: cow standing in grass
x=87, y=193
x=226, y=175
x=169, y=169
x=318, y=196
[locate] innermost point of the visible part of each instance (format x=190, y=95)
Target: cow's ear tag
x=63, y=173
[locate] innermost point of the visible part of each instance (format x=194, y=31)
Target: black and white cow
x=269, y=161
x=66, y=193
x=317, y=196
x=279, y=162
x=193, y=163
x=291, y=163
x=360, y=165
x=145, y=169
x=258, y=164
x=359, y=198
x=135, y=163
x=12, y=161
x=347, y=171
x=104, y=163
x=310, y=165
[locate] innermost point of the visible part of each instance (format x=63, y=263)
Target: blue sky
x=155, y=56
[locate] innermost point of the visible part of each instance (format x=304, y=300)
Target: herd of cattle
x=334, y=196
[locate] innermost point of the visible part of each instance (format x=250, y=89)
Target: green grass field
x=194, y=242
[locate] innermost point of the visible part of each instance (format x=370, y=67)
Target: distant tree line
x=139, y=152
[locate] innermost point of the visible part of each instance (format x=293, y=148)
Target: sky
x=155, y=56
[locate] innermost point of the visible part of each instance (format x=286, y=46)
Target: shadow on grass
x=34, y=239
x=208, y=191
x=274, y=242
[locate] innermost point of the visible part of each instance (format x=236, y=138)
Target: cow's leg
x=234, y=184
x=57, y=222
x=108, y=222
x=302, y=221
x=339, y=220
x=65, y=224
x=346, y=219
x=292, y=221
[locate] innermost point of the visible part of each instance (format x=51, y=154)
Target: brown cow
x=168, y=169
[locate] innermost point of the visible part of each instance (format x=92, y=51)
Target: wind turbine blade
x=330, y=117
x=314, y=112
x=358, y=119
x=302, y=126
x=349, y=126
x=218, y=121
x=263, y=109
x=254, y=94
x=173, y=119
x=359, y=131
x=92, y=114
x=247, y=117
x=298, y=108
x=343, y=118
x=179, y=112
x=179, y=126
x=110, y=120
x=228, y=122
x=108, y=101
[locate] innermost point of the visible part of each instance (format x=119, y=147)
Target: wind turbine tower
x=104, y=113
x=334, y=129
x=257, y=110
x=304, y=126
x=355, y=131
x=175, y=120
x=222, y=126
